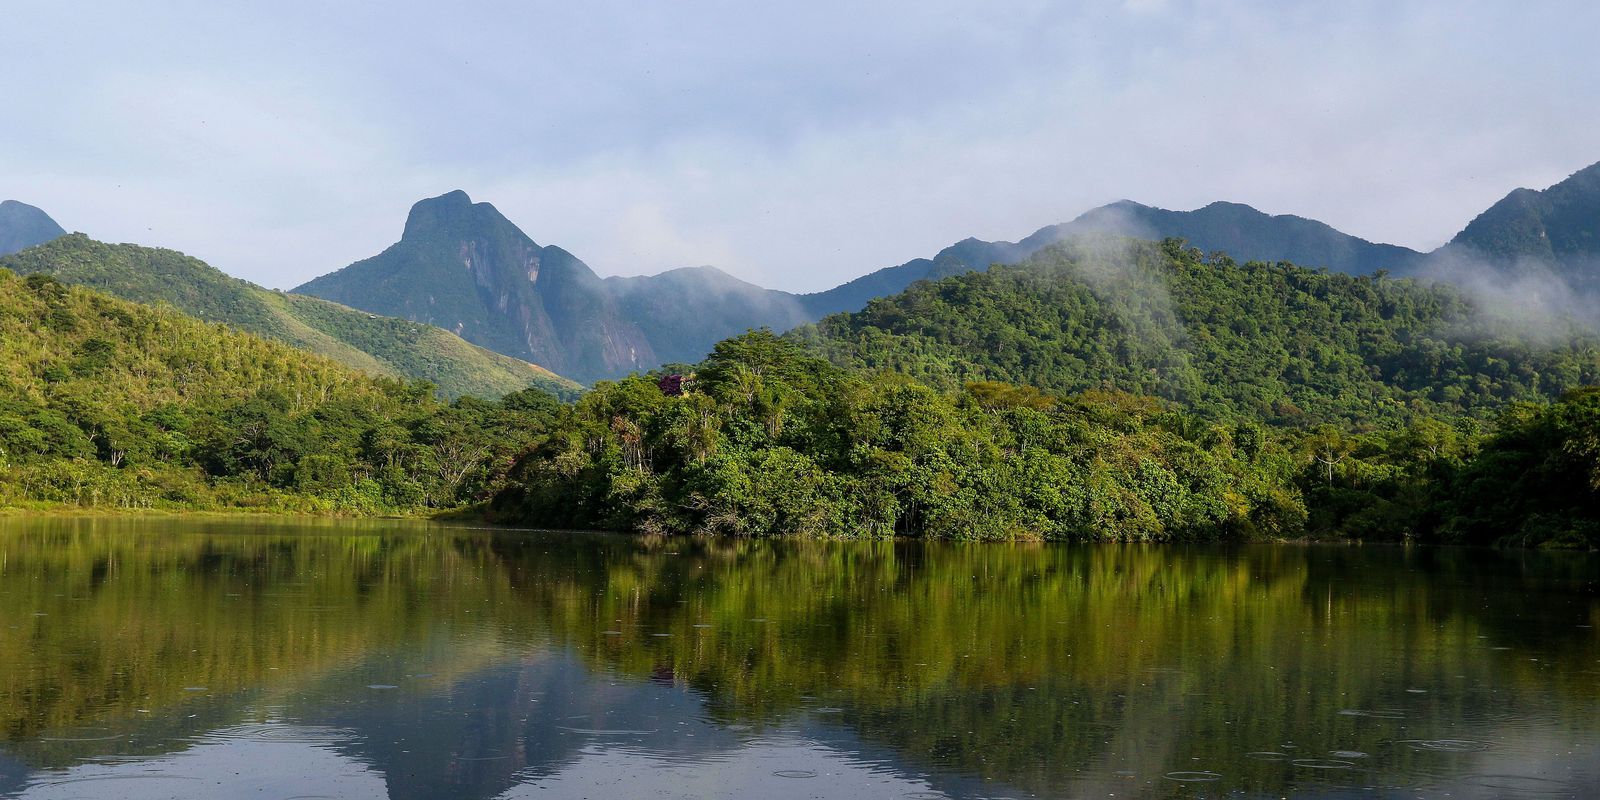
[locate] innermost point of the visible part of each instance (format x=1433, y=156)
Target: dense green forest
x=110, y=404
x=772, y=439
x=1270, y=342
x=379, y=345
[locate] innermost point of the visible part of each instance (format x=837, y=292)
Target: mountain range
x=464, y=267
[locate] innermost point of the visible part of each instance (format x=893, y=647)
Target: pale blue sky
x=794, y=147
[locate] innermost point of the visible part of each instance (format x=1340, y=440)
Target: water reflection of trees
x=1019, y=663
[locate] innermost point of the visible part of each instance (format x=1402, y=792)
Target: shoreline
x=463, y=518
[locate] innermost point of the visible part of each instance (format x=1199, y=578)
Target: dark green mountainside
x=464, y=267
x=374, y=344
x=1268, y=341
x=1558, y=227
x=22, y=226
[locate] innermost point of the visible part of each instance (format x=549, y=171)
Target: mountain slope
x=1268, y=341
x=1560, y=224
x=378, y=345
x=464, y=267
x=23, y=226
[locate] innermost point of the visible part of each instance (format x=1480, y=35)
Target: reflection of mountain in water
x=511, y=723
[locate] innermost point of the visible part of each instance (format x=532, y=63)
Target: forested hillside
x=1270, y=342
x=1558, y=225
x=106, y=403
x=378, y=345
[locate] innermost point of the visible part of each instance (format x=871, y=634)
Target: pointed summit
x=23, y=226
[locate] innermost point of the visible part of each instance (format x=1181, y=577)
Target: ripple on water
x=288, y=734
x=1323, y=763
x=795, y=773
x=1267, y=755
x=1193, y=776
x=1347, y=754
x=82, y=735
x=1521, y=784
x=1445, y=745
x=608, y=731
x=1373, y=713
x=110, y=778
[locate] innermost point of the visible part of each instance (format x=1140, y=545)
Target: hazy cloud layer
x=794, y=147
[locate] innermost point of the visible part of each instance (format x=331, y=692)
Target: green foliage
x=1272, y=342
x=108, y=404
x=1535, y=481
x=773, y=440
x=378, y=345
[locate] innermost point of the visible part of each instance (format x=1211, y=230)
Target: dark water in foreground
x=231, y=659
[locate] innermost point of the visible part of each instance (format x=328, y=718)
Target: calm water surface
x=247, y=659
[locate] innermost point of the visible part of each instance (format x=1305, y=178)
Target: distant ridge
x=22, y=226
x=1242, y=232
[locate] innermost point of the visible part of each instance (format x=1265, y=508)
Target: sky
x=795, y=146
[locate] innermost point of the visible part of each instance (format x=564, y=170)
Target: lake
x=237, y=658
